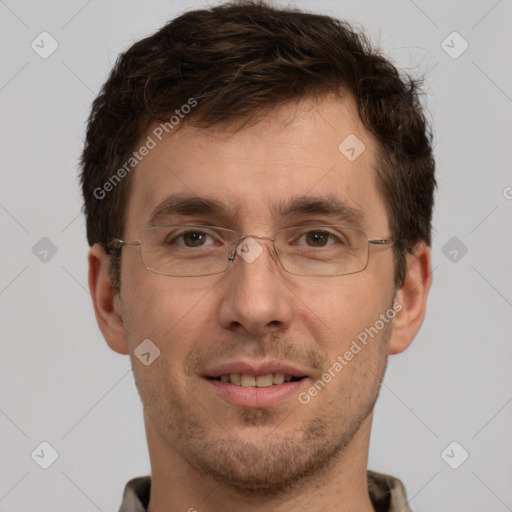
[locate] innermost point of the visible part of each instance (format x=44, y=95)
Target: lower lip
x=256, y=397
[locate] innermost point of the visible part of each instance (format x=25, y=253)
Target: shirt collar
x=387, y=494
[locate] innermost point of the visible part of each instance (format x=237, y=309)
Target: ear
x=107, y=305
x=412, y=296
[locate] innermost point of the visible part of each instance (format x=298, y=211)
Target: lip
x=254, y=368
x=255, y=397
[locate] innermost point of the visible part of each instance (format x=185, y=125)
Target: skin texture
x=206, y=452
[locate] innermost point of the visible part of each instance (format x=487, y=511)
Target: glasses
x=186, y=250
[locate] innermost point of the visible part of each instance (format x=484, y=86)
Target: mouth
x=256, y=381
x=251, y=384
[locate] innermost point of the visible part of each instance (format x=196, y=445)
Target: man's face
x=258, y=439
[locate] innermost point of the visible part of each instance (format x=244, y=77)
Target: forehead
x=312, y=157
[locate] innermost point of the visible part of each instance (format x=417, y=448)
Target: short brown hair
x=237, y=60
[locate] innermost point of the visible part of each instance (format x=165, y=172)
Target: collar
x=387, y=494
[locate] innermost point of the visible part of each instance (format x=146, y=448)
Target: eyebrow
x=302, y=206
x=329, y=206
x=189, y=206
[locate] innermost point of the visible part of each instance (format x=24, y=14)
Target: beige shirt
x=386, y=493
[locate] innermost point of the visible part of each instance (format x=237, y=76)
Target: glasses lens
x=187, y=250
x=322, y=250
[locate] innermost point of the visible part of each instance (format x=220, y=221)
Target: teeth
x=261, y=381
x=264, y=381
x=278, y=378
x=247, y=381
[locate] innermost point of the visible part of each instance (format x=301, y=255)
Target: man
x=258, y=188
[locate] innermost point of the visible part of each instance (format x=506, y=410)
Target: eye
x=318, y=238
x=191, y=239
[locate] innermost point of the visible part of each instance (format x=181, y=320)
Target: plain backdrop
x=61, y=384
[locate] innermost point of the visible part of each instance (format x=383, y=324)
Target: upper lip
x=254, y=368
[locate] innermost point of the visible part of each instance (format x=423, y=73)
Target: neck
x=176, y=486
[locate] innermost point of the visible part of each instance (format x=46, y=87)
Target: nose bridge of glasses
x=249, y=248
x=258, y=237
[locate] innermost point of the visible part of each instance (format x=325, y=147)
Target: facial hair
x=284, y=461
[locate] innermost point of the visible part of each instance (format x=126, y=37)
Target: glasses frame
x=119, y=244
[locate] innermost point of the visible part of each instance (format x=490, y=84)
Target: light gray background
x=60, y=382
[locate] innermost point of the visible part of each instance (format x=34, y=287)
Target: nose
x=255, y=298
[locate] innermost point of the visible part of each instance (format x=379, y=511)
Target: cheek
x=338, y=313
x=164, y=308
